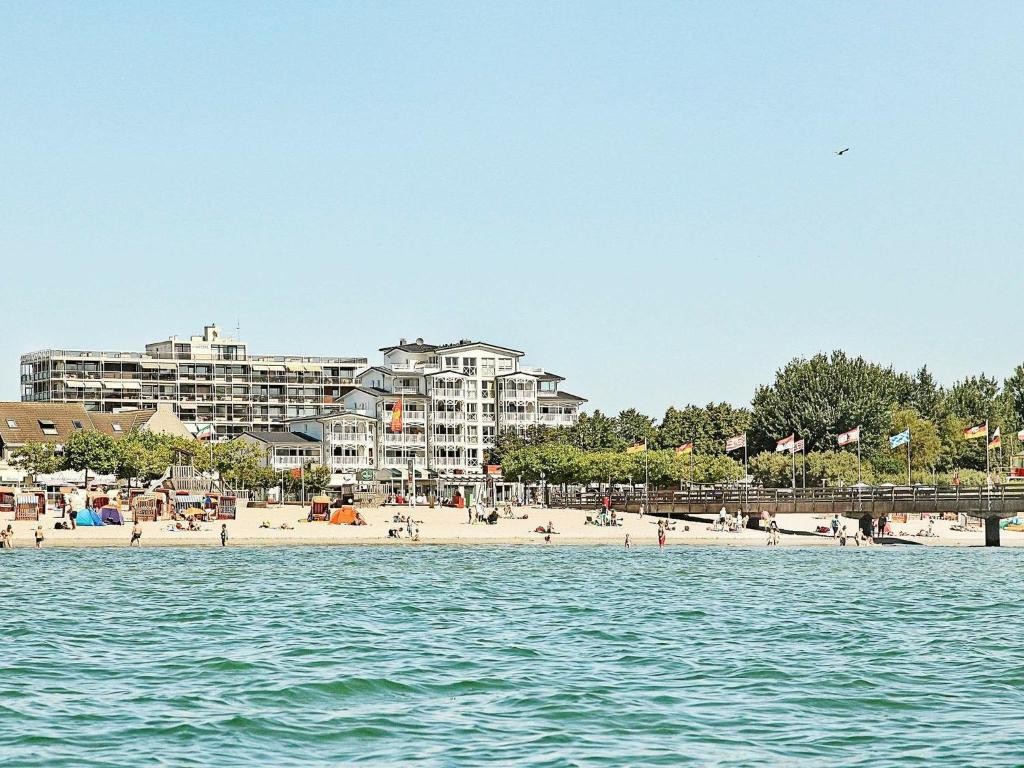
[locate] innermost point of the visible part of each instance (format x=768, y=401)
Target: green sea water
x=511, y=656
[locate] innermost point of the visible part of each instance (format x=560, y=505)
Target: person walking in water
x=628, y=544
x=224, y=534
x=136, y=535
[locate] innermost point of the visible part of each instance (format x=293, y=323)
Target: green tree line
x=816, y=398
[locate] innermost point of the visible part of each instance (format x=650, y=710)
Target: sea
x=525, y=656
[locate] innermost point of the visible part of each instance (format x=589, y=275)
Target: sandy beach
x=450, y=526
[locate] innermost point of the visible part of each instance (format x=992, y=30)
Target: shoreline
x=261, y=527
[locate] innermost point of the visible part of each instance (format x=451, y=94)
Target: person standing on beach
x=661, y=535
x=136, y=535
x=39, y=536
x=223, y=534
x=835, y=525
x=627, y=541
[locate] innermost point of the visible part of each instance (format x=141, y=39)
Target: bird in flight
x=843, y=151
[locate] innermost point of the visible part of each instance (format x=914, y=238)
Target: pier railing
x=998, y=501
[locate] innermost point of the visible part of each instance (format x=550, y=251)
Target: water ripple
x=512, y=656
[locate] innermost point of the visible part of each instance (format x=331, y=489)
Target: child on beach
x=224, y=534
x=627, y=541
x=39, y=537
x=136, y=535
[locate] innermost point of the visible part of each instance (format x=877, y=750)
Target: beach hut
x=188, y=504
x=146, y=509
x=319, y=508
x=26, y=506
x=6, y=499
x=227, y=508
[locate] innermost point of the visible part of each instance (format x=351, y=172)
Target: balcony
x=447, y=439
x=449, y=417
x=351, y=462
x=518, y=418
x=402, y=438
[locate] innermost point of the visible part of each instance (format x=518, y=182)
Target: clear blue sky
x=643, y=196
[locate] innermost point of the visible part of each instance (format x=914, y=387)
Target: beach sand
x=449, y=526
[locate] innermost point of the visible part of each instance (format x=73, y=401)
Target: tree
x=772, y=470
x=143, y=455
x=836, y=468
x=595, y=432
x=707, y=428
x=633, y=427
x=317, y=477
x=512, y=439
x=824, y=396
x=36, y=458
x=976, y=400
x=925, y=445
x=90, y=450
x=237, y=462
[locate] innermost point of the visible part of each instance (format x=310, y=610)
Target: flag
x=785, y=444
x=996, y=441
x=685, y=449
x=638, y=448
x=396, y=416
x=798, y=446
x=979, y=431
x=734, y=443
x=204, y=431
x=853, y=436
x=901, y=439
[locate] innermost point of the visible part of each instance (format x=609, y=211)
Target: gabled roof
x=567, y=396
x=467, y=343
x=28, y=420
x=518, y=373
x=382, y=369
x=547, y=376
x=282, y=438
x=418, y=347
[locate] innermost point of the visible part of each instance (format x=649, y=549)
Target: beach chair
x=26, y=507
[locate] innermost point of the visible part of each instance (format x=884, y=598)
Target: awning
x=294, y=367
x=121, y=385
x=74, y=383
x=91, y=384
x=149, y=365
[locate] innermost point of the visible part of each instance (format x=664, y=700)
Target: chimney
x=402, y=342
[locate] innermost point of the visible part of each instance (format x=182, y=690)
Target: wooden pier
x=988, y=504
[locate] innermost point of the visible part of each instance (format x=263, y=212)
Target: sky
x=642, y=196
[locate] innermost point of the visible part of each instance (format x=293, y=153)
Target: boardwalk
x=988, y=504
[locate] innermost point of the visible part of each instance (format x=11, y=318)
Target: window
x=12, y=424
x=451, y=362
x=48, y=427
x=116, y=426
x=504, y=364
x=76, y=424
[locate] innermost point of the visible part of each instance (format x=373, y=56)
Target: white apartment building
x=208, y=379
x=455, y=399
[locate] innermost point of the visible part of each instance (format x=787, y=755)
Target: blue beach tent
x=88, y=517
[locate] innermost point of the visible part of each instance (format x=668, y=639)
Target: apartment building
x=454, y=400
x=207, y=380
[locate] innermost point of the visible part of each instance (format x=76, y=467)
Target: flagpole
x=910, y=478
x=792, y=455
x=860, y=476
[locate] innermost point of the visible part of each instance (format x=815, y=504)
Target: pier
x=988, y=504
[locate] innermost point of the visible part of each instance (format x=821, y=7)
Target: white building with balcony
x=455, y=400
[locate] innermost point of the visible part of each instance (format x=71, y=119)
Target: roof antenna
x=238, y=329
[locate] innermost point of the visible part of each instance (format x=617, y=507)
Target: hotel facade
x=206, y=379
x=454, y=398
